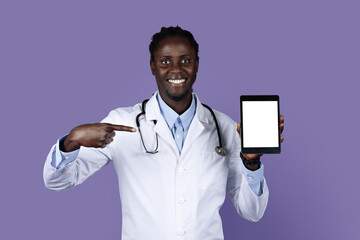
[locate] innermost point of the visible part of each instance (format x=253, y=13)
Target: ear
x=197, y=65
x=152, y=67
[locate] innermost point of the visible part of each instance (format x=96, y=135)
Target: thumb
x=238, y=127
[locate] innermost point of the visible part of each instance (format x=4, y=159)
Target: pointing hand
x=96, y=135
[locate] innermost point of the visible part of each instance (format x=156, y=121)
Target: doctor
x=175, y=193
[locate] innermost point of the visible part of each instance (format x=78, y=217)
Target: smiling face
x=175, y=66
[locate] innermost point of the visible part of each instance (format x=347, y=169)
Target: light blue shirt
x=179, y=126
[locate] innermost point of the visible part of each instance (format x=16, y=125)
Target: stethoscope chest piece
x=221, y=151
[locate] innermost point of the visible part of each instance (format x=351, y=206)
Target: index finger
x=281, y=118
x=120, y=128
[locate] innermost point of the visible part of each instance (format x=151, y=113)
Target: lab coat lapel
x=197, y=125
x=161, y=128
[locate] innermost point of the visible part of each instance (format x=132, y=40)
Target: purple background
x=65, y=63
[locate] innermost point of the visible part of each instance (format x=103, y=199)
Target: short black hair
x=166, y=32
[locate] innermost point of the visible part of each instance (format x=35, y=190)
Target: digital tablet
x=260, y=121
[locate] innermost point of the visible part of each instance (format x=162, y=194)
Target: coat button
x=181, y=232
x=181, y=200
x=181, y=170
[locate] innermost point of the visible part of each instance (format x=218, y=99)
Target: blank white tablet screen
x=260, y=124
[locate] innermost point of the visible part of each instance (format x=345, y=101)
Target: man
x=172, y=183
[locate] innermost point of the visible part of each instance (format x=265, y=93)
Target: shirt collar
x=170, y=115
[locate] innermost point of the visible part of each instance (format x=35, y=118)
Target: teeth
x=177, y=81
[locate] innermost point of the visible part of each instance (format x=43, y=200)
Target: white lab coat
x=167, y=196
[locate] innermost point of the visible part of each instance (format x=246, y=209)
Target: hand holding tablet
x=261, y=124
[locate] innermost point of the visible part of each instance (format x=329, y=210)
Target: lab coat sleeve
x=246, y=202
x=87, y=162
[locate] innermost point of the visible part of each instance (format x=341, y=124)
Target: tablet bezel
x=259, y=150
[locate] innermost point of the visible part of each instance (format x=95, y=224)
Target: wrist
x=251, y=164
x=68, y=145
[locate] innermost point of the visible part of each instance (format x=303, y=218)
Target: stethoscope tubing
x=218, y=149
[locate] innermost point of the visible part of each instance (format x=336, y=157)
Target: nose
x=175, y=68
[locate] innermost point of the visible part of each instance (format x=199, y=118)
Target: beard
x=178, y=98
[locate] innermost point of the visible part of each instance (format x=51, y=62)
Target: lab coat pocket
x=213, y=172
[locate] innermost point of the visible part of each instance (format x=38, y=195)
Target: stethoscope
x=218, y=149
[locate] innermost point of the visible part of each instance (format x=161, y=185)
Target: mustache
x=177, y=76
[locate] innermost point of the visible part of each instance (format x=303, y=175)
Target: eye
x=165, y=61
x=185, y=60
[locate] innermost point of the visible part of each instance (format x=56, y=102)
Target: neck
x=179, y=106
